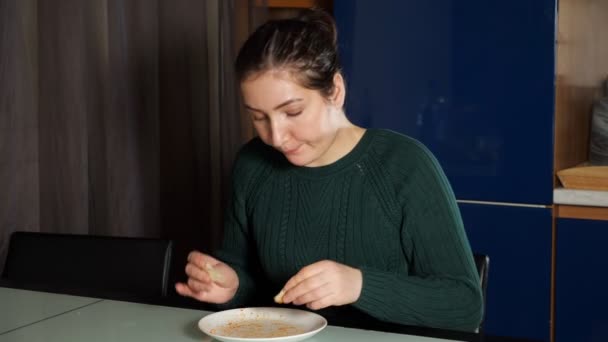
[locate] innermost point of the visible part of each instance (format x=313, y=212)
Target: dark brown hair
x=305, y=46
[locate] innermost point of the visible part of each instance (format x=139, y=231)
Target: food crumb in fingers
x=213, y=273
x=279, y=297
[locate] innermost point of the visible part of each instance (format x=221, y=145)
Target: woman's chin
x=298, y=160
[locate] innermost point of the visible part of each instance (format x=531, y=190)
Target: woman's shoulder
x=403, y=157
x=405, y=162
x=389, y=145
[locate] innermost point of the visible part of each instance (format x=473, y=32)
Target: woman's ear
x=339, y=94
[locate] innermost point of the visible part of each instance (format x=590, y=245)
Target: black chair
x=482, y=262
x=98, y=266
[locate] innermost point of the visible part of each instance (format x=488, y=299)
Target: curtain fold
x=120, y=117
x=19, y=155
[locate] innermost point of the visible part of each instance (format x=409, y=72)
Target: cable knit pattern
x=385, y=208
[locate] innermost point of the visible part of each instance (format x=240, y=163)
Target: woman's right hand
x=209, y=280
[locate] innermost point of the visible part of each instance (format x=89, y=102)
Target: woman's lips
x=291, y=151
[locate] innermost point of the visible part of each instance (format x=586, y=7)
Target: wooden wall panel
x=582, y=67
x=97, y=103
x=581, y=212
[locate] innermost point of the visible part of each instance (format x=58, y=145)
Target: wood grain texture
x=582, y=67
x=580, y=212
x=585, y=177
x=98, y=97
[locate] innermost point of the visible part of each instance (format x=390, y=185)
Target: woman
x=329, y=214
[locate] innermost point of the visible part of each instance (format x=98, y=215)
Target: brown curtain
x=120, y=117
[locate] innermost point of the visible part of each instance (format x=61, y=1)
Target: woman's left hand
x=322, y=284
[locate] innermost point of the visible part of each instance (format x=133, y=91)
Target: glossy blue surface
x=518, y=241
x=473, y=80
x=581, y=278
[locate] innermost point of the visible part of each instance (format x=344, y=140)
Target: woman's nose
x=277, y=133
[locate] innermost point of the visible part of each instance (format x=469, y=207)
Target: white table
x=19, y=308
x=53, y=317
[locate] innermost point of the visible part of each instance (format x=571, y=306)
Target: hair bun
x=322, y=20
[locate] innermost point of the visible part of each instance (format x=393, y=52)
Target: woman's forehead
x=274, y=74
x=272, y=82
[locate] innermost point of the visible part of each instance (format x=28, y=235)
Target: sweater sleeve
x=441, y=288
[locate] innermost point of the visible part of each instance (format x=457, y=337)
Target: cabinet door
x=473, y=80
x=581, y=281
x=518, y=241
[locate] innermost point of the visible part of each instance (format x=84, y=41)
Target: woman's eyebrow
x=288, y=102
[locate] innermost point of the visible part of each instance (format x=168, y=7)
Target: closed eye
x=293, y=113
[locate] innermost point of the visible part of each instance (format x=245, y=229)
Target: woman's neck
x=346, y=138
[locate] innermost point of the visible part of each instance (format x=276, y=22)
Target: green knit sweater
x=385, y=208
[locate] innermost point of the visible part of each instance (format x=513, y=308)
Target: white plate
x=262, y=324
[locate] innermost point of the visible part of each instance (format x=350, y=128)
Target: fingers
x=314, y=294
x=307, y=285
x=323, y=284
x=308, y=289
x=209, y=280
x=305, y=273
x=279, y=297
x=200, y=260
x=198, y=286
x=205, y=268
x=186, y=291
x=194, y=272
x=183, y=290
x=320, y=303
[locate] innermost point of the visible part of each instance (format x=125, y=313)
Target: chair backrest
x=482, y=262
x=99, y=266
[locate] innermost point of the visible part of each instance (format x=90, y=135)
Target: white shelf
x=590, y=198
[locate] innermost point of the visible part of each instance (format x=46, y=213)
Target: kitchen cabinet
x=501, y=93
x=581, y=299
x=518, y=241
x=474, y=82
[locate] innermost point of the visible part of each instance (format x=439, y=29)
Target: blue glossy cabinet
x=474, y=81
x=581, y=281
x=518, y=241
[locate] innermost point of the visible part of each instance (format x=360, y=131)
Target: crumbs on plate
x=256, y=328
